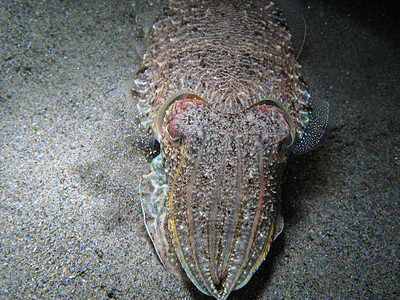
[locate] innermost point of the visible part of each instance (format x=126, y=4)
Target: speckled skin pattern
x=211, y=199
x=231, y=53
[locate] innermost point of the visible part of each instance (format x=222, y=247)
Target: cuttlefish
x=222, y=92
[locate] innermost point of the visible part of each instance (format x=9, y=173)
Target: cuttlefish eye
x=174, y=135
x=284, y=144
x=181, y=120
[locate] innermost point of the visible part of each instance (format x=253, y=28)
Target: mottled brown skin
x=211, y=201
x=231, y=53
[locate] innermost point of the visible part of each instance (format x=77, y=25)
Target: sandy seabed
x=71, y=159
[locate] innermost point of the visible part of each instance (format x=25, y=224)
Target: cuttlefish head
x=211, y=199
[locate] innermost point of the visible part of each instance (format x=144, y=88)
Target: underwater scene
x=199, y=149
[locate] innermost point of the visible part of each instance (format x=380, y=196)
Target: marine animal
x=222, y=92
